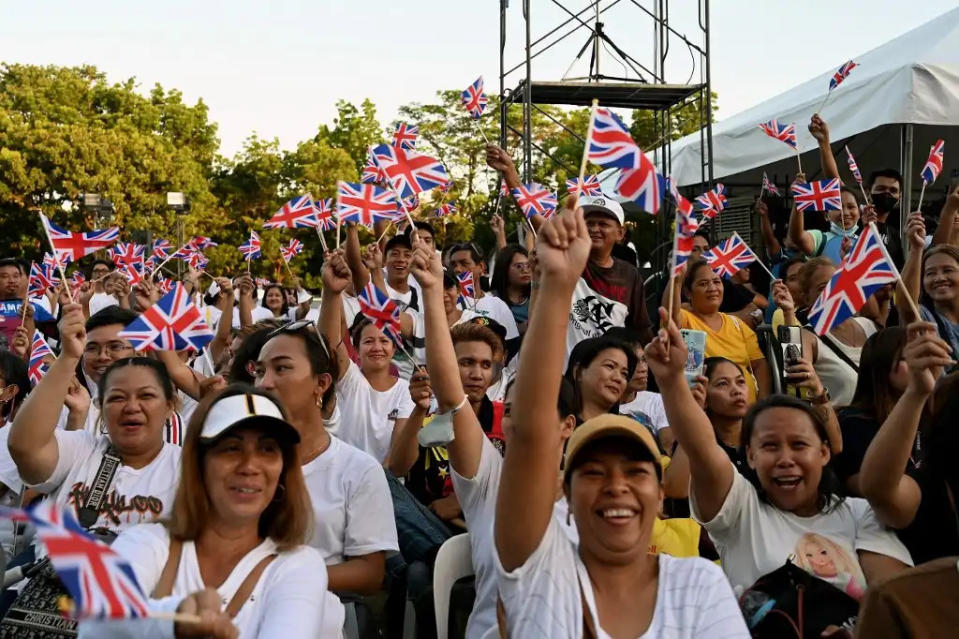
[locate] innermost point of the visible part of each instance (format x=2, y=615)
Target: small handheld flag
x=474, y=99
x=932, y=169
x=588, y=186
x=363, y=203
x=173, y=323
x=822, y=195
x=296, y=214
x=72, y=245
x=409, y=172
x=39, y=349
x=467, y=288
x=405, y=135
x=864, y=271
x=782, y=132
x=383, y=312
x=841, y=74
x=713, y=202
x=445, y=209
x=730, y=257
x=535, y=199
x=251, y=249
x=853, y=167
x=291, y=250
x=768, y=186
x=324, y=214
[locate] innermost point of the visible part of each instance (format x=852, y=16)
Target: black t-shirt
x=889, y=230
x=858, y=431
x=429, y=478
x=736, y=297
x=934, y=532
x=619, y=285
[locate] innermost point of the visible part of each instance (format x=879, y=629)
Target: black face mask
x=885, y=203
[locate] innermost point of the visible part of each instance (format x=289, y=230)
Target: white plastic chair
x=453, y=561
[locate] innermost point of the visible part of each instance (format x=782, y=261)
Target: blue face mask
x=836, y=229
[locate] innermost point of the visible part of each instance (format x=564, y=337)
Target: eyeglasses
x=295, y=327
x=112, y=348
x=520, y=266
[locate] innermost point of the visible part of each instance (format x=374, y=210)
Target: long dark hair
x=500, y=282
x=286, y=306
x=14, y=371
x=874, y=395
x=829, y=489
x=711, y=364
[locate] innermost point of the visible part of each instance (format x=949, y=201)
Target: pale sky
x=278, y=67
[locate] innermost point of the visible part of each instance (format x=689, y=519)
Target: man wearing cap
x=610, y=291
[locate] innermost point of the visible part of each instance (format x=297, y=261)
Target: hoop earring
x=279, y=496
x=319, y=402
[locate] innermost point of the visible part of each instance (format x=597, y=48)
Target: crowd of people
x=299, y=478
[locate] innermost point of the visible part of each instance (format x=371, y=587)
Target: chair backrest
x=453, y=561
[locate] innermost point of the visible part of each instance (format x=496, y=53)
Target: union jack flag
x=76, y=281
x=588, y=186
x=101, y=583
x=36, y=368
x=164, y=284
x=364, y=203
x=262, y=282
x=853, y=167
x=446, y=209
x=730, y=257
x=841, y=74
x=298, y=213
x=324, y=213
x=535, y=199
x=445, y=188
x=474, y=99
x=161, y=248
x=172, y=324
x=201, y=243
x=40, y=280
x=383, y=312
x=126, y=253
x=76, y=245
x=610, y=144
x=863, y=271
x=251, y=249
x=712, y=202
x=52, y=261
x=822, y=195
x=467, y=288
x=503, y=189
x=934, y=164
x=769, y=187
x=782, y=132
x=409, y=204
x=372, y=173
x=291, y=250
x=686, y=222
x=408, y=171
x=644, y=185
x=405, y=135
x=197, y=260
x=133, y=272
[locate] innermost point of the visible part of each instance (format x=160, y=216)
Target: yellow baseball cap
x=609, y=426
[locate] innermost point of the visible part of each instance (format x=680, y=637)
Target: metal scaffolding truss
x=638, y=84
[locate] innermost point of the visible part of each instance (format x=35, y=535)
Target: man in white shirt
x=466, y=258
x=101, y=297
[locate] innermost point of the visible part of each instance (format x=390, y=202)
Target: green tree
x=66, y=131
x=354, y=130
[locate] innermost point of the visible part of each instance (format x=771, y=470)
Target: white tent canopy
x=911, y=80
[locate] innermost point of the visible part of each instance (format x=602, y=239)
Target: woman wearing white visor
x=236, y=536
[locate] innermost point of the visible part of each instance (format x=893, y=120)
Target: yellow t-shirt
x=734, y=340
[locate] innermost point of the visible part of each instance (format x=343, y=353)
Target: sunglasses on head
x=297, y=326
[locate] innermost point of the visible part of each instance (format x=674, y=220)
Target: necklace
x=316, y=452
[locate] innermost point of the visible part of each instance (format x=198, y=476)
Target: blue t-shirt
x=951, y=330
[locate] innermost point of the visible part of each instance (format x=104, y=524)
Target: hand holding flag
x=932, y=169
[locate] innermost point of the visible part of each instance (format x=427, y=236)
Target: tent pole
x=905, y=168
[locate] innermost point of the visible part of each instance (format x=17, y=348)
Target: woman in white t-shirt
x=274, y=300
x=240, y=520
x=353, y=514
x=608, y=585
x=136, y=397
x=372, y=400
x=793, y=510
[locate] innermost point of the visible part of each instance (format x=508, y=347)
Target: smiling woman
x=137, y=397
x=240, y=518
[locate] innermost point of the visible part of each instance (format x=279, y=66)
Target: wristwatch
x=822, y=398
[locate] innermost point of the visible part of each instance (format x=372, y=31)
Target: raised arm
x=797, y=232
x=32, y=443
x=773, y=247
x=947, y=220
x=894, y=496
x=354, y=258
x=820, y=130
x=532, y=458
x=441, y=361
x=709, y=467
x=498, y=226
x=912, y=269
x=246, y=287
x=221, y=340
x=336, y=277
